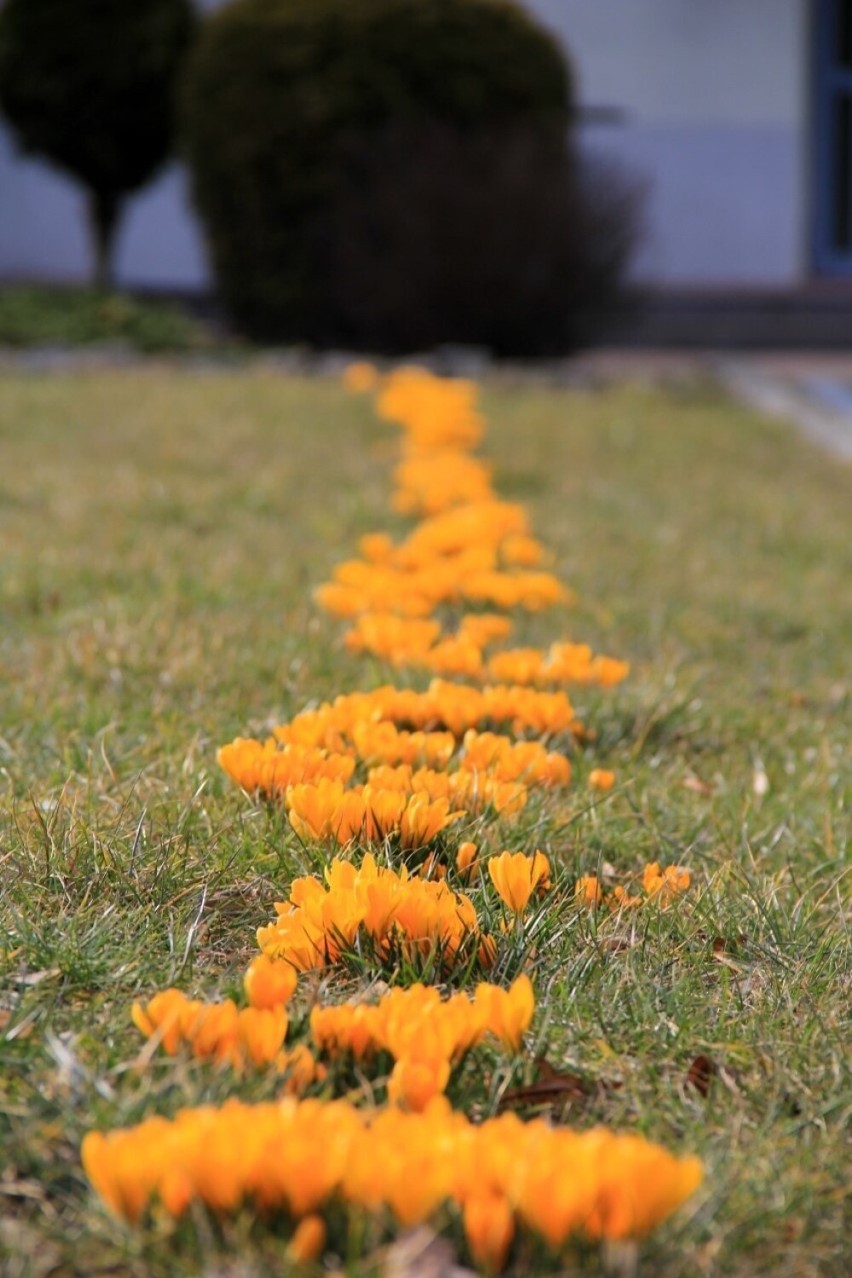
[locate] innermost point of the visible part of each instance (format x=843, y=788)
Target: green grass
x=160, y=533
x=81, y=317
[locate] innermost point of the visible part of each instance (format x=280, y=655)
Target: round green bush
x=289, y=102
x=91, y=86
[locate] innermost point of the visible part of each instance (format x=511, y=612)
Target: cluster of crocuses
x=420, y=643
x=445, y=764
x=478, y=771
x=468, y=549
x=392, y=781
x=399, y=916
x=660, y=885
x=304, y=1157
x=426, y=1036
x=379, y=725
x=227, y=1034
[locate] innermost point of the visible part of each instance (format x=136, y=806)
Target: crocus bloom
x=620, y=899
x=415, y=1082
x=517, y=876
x=665, y=884
x=466, y=857
x=217, y=1031
x=360, y=376
x=588, y=891
x=507, y=1013
x=308, y=1240
x=270, y=982
x=489, y=1226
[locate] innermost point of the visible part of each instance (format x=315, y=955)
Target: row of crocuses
x=409, y=794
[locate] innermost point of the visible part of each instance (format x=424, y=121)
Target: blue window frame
x=833, y=138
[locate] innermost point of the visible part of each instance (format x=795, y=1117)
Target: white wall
x=714, y=102
x=713, y=94
x=44, y=236
x=686, y=61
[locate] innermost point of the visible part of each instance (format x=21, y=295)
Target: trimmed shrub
x=91, y=87
x=499, y=239
x=364, y=167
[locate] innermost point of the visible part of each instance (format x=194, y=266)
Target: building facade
x=736, y=117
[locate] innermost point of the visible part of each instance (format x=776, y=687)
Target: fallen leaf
x=722, y=945
x=700, y=1074
x=552, y=1086
x=694, y=783
x=792, y=1229
x=620, y=1257
x=36, y=978
x=837, y=694
x=730, y=1080
x=421, y=1253
x=18, y=1239
x=618, y=944
x=760, y=782
x=722, y=955
x=21, y=1029
x=235, y=1268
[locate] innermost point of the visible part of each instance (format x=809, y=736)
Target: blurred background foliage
x=395, y=174
x=59, y=317
x=390, y=175
x=96, y=94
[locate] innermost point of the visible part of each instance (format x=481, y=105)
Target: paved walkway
x=811, y=389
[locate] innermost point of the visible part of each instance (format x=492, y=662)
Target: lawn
x=161, y=532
